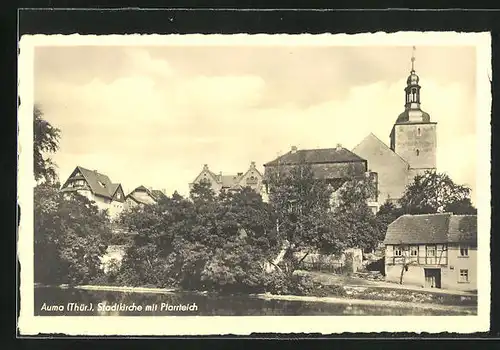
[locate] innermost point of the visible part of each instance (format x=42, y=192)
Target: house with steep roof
x=96, y=187
x=333, y=165
x=143, y=196
x=252, y=178
x=433, y=251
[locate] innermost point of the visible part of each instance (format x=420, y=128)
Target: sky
x=155, y=115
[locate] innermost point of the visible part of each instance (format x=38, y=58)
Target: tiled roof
x=463, y=228
x=229, y=180
x=311, y=156
x=138, y=199
x=100, y=184
x=157, y=194
x=432, y=228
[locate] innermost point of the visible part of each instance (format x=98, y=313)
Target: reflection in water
x=104, y=303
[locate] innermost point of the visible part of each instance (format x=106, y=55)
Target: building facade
x=141, y=196
x=333, y=165
x=433, y=251
x=412, y=146
x=98, y=188
x=252, y=178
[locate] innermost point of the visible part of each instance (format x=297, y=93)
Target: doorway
x=432, y=278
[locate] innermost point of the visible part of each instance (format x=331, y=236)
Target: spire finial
x=413, y=59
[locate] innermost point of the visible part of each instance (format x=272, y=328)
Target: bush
x=280, y=283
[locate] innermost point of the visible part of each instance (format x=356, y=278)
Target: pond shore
x=387, y=303
x=331, y=299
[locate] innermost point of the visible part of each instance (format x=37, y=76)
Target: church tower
x=413, y=136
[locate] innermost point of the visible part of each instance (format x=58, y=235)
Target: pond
x=53, y=301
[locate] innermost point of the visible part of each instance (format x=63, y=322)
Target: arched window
x=418, y=132
x=418, y=152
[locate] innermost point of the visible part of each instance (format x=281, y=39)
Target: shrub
x=279, y=283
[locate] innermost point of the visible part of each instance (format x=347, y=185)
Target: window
x=118, y=196
x=418, y=152
x=418, y=132
x=464, y=276
x=397, y=251
x=431, y=250
x=464, y=251
x=414, y=251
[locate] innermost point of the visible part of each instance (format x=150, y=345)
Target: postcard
x=242, y=184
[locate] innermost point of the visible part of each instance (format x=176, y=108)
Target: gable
x=392, y=170
x=376, y=151
x=75, y=175
x=119, y=195
x=206, y=175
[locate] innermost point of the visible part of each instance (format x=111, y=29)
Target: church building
x=412, y=148
x=411, y=151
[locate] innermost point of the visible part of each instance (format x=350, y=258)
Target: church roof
x=372, y=141
x=404, y=118
x=317, y=156
x=432, y=228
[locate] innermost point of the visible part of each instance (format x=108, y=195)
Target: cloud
x=158, y=124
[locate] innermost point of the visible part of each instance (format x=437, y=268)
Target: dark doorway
x=432, y=278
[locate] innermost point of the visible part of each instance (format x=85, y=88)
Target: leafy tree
x=355, y=221
x=387, y=213
x=303, y=222
x=70, y=236
x=434, y=192
x=46, y=140
x=208, y=242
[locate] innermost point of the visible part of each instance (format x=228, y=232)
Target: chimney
x=252, y=165
x=205, y=166
x=294, y=149
x=339, y=146
x=239, y=174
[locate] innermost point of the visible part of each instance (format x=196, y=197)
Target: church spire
x=413, y=59
x=413, y=112
x=412, y=90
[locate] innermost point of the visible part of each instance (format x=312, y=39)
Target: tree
x=303, y=222
x=434, y=192
x=207, y=242
x=355, y=221
x=70, y=237
x=46, y=140
x=387, y=213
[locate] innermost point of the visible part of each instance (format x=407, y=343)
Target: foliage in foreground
x=70, y=236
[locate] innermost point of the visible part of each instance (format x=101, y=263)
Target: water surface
x=53, y=301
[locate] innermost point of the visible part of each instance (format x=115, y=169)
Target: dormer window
x=101, y=183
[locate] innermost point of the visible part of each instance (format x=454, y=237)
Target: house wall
x=450, y=263
x=206, y=176
x=130, y=203
x=114, y=207
x=245, y=181
x=456, y=263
